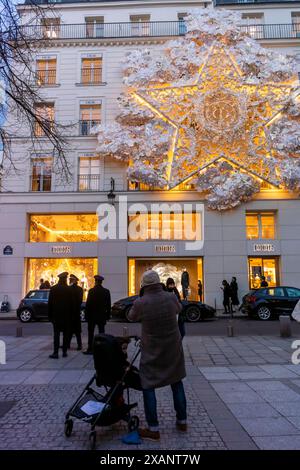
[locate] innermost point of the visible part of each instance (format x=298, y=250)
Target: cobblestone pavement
x=243, y=393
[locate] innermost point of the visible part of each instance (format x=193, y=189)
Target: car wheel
x=264, y=313
x=193, y=313
x=82, y=315
x=26, y=315
x=126, y=315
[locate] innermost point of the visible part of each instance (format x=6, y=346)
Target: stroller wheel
x=92, y=438
x=133, y=423
x=68, y=427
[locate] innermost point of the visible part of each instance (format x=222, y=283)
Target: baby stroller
x=115, y=374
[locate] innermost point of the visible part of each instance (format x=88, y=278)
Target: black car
x=270, y=301
x=193, y=310
x=34, y=306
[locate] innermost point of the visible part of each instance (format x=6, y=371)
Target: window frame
x=259, y=215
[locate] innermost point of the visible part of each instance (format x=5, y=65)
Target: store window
x=63, y=228
x=89, y=174
x=41, y=174
x=46, y=71
x=45, y=113
x=259, y=267
x=90, y=116
x=167, y=267
x=160, y=226
x=91, y=70
x=260, y=225
x=295, y=15
x=49, y=268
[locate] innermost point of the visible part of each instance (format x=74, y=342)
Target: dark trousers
x=56, y=335
x=91, y=330
x=78, y=338
x=179, y=401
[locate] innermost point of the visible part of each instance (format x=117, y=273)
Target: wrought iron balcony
x=234, y=2
x=149, y=29
x=86, y=126
x=91, y=75
x=88, y=183
x=46, y=77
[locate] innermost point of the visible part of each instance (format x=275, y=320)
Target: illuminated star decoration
x=220, y=117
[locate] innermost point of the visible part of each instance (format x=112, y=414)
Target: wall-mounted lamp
x=111, y=195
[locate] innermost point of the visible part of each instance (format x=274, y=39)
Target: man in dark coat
x=162, y=358
x=97, y=310
x=77, y=296
x=59, y=312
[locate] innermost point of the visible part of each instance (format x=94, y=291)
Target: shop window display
x=259, y=267
x=63, y=228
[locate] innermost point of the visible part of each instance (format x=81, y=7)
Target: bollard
x=19, y=332
x=230, y=329
x=125, y=331
x=285, y=326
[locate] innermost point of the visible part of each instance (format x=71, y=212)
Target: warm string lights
x=216, y=111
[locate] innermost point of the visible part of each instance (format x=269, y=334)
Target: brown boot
x=151, y=435
x=181, y=427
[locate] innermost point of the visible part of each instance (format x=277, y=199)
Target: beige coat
x=162, y=359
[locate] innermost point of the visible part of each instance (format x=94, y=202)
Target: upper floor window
x=253, y=23
x=46, y=71
x=51, y=27
x=140, y=25
x=41, y=174
x=89, y=174
x=296, y=22
x=90, y=116
x=164, y=226
x=45, y=112
x=91, y=70
x=63, y=228
x=94, y=26
x=260, y=225
x=181, y=20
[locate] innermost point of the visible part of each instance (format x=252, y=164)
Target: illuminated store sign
x=61, y=250
x=263, y=247
x=165, y=249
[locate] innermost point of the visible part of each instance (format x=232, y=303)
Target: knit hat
x=150, y=277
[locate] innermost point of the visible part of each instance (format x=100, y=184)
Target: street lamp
x=111, y=195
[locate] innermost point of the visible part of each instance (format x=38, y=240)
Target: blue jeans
x=151, y=410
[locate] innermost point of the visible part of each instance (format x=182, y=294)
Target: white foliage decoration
x=213, y=110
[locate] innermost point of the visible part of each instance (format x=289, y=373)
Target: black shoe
x=53, y=356
x=88, y=351
x=65, y=354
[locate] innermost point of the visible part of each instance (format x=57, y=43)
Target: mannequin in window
x=185, y=283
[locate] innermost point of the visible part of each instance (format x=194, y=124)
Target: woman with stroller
x=162, y=358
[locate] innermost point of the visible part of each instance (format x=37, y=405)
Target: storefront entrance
x=264, y=266
x=170, y=267
x=49, y=268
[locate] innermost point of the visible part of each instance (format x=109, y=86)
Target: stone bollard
x=285, y=326
x=125, y=331
x=19, y=332
x=230, y=329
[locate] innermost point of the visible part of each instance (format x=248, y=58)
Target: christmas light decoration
x=216, y=110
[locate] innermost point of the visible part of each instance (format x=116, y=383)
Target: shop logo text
x=2, y=352
x=296, y=354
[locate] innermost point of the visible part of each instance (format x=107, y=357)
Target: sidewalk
x=243, y=393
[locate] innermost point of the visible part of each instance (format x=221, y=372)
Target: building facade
x=50, y=225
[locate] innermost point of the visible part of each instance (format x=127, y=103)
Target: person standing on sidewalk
x=234, y=293
x=226, y=297
x=97, y=310
x=59, y=313
x=77, y=296
x=171, y=287
x=162, y=358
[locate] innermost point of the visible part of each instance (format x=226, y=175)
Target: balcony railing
x=234, y=2
x=46, y=77
x=85, y=127
x=88, y=182
x=40, y=183
x=151, y=29
x=91, y=76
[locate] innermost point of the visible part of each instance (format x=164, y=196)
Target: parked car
x=34, y=306
x=268, y=302
x=193, y=310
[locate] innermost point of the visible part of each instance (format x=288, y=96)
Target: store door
x=263, y=266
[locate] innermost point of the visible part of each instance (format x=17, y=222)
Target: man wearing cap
x=162, y=358
x=59, y=312
x=77, y=296
x=97, y=310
